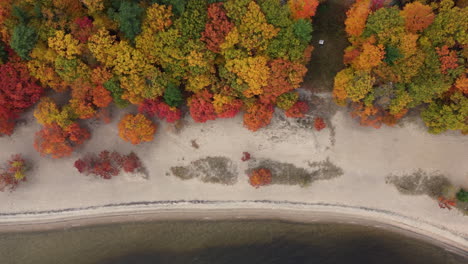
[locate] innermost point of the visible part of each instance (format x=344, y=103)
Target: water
x=221, y=242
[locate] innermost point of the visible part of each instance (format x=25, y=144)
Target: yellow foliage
x=100, y=44
x=220, y=100
x=253, y=70
x=134, y=87
x=254, y=30
x=158, y=17
x=48, y=113
x=94, y=5
x=65, y=45
x=400, y=102
x=196, y=83
x=342, y=79
x=43, y=53
x=408, y=44
x=232, y=39
x=46, y=75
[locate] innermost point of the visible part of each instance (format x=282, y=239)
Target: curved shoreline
x=210, y=210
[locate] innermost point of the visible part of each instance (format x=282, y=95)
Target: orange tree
x=136, y=129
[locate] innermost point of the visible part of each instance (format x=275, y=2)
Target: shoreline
x=198, y=210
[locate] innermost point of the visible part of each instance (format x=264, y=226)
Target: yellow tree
x=65, y=45
x=252, y=70
x=254, y=30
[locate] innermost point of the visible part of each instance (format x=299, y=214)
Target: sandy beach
x=56, y=195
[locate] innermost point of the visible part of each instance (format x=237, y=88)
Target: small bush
x=462, y=196
x=14, y=173
x=319, y=124
x=260, y=177
x=108, y=164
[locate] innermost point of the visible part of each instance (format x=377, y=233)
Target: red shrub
x=131, y=162
x=319, y=124
x=108, y=164
x=13, y=173
x=260, y=177
x=246, y=156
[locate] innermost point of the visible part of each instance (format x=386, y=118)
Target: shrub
x=260, y=177
x=462, y=196
x=14, y=173
x=108, y=164
x=319, y=124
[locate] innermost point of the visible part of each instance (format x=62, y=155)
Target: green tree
x=113, y=86
x=462, y=195
x=23, y=40
x=128, y=15
x=173, y=96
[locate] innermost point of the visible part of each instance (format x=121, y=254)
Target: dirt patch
x=327, y=59
x=210, y=169
x=419, y=183
x=289, y=174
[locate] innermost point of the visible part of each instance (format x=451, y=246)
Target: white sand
x=366, y=156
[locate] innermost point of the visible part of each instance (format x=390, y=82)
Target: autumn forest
x=216, y=59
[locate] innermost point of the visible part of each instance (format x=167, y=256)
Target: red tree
x=201, y=107
x=160, y=109
x=18, y=91
x=217, y=27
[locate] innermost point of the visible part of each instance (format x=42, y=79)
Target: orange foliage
x=356, y=17
x=368, y=115
x=52, y=140
x=448, y=59
x=462, y=84
x=285, y=76
x=370, y=57
x=260, y=177
x=101, y=96
x=100, y=75
x=303, y=8
x=417, y=16
x=350, y=55
x=217, y=28
x=136, y=129
x=298, y=110
x=258, y=116
x=77, y=134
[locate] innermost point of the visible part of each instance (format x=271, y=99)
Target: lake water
x=220, y=242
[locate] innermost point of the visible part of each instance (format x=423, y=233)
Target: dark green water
x=220, y=242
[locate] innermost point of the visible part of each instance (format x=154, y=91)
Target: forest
x=72, y=59
x=402, y=59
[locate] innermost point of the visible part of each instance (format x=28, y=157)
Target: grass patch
x=210, y=169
